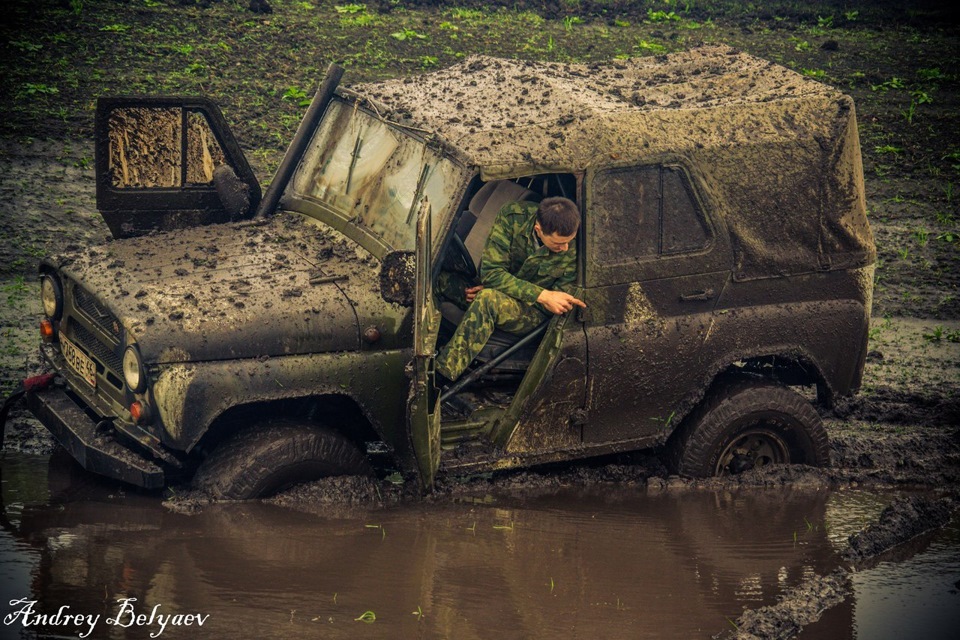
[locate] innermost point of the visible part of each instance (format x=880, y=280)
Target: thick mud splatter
x=904, y=520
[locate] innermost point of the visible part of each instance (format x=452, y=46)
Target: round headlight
x=51, y=295
x=133, y=370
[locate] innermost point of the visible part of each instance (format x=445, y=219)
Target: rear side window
x=642, y=213
x=681, y=226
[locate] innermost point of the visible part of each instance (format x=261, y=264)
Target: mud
x=798, y=608
x=903, y=521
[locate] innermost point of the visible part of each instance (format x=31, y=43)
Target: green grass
x=367, y=616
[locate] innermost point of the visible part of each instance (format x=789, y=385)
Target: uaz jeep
x=252, y=343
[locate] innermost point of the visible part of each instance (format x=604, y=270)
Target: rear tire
x=747, y=424
x=275, y=455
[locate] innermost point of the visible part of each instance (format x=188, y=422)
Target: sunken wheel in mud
x=748, y=424
x=274, y=456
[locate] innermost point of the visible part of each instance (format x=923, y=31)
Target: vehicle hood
x=271, y=287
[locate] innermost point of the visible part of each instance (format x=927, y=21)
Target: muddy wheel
x=749, y=424
x=274, y=456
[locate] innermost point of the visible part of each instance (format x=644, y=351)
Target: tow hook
x=35, y=383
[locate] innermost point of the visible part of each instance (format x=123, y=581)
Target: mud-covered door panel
x=656, y=265
x=551, y=418
x=168, y=163
x=424, y=403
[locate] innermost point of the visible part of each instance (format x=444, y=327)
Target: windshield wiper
x=353, y=160
x=424, y=173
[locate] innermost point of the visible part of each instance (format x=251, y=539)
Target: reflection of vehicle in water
x=724, y=256
x=563, y=563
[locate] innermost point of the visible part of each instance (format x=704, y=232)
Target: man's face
x=554, y=241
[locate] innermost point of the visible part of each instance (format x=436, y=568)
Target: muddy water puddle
x=911, y=592
x=598, y=562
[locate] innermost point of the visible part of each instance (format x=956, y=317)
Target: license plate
x=79, y=361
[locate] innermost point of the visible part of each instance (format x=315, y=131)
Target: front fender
x=188, y=397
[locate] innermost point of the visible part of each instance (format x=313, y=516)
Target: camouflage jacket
x=515, y=263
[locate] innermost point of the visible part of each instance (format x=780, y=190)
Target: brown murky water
x=598, y=562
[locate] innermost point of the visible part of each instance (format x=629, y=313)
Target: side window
x=626, y=205
x=640, y=213
x=148, y=149
x=683, y=229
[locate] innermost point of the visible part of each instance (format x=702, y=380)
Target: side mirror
x=398, y=278
x=233, y=192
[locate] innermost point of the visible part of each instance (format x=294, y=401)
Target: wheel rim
x=752, y=448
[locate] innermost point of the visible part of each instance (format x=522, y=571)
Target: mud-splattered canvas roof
x=511, y=117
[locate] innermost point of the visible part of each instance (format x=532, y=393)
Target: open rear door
x=169, y=163
x=424, y=403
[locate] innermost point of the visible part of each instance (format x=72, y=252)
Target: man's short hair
x=558, y=216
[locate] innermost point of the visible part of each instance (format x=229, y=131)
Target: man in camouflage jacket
x=529, y=264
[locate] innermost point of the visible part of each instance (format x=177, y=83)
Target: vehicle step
x=463, y=425
x=457, y=433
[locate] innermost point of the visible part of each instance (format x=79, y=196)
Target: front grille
x=97, y=313
x=97, y=350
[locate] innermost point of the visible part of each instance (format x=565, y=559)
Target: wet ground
x=619, y=551
x=594, y=562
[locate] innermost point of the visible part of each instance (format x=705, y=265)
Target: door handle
x=699, y=296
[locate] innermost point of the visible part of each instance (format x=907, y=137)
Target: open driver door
x=423, y=408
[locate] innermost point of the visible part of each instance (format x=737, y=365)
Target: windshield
x=375, y=175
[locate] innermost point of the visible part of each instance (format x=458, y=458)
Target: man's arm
x=559, y=299
x=495, y=264
x=568, y=281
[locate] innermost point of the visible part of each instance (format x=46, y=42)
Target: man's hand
x=471, y=292
x=559, y=302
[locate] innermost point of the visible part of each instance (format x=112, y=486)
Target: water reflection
x=593, y=563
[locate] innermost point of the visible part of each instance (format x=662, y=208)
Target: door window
x=641, y=213
x=147, y=148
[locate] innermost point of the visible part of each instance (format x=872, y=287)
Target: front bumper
x=95, y=452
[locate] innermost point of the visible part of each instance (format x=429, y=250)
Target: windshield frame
x=351, y=226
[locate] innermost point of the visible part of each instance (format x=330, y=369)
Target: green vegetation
x=297, y=95
x=16, y=291
x=888, y=148
x=651, y=47
x=367, y=616
x=408, y=34
x=936, y=335
x=661, y=16
x=922, y=236
x=886, y=85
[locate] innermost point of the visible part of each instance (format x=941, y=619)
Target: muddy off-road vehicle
x=250, y=343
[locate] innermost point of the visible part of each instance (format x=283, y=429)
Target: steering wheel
x=460, y=259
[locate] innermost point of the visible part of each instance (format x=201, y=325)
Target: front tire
x=275, y=455
x=748, y=424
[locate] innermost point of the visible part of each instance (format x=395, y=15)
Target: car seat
x=473, y=230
